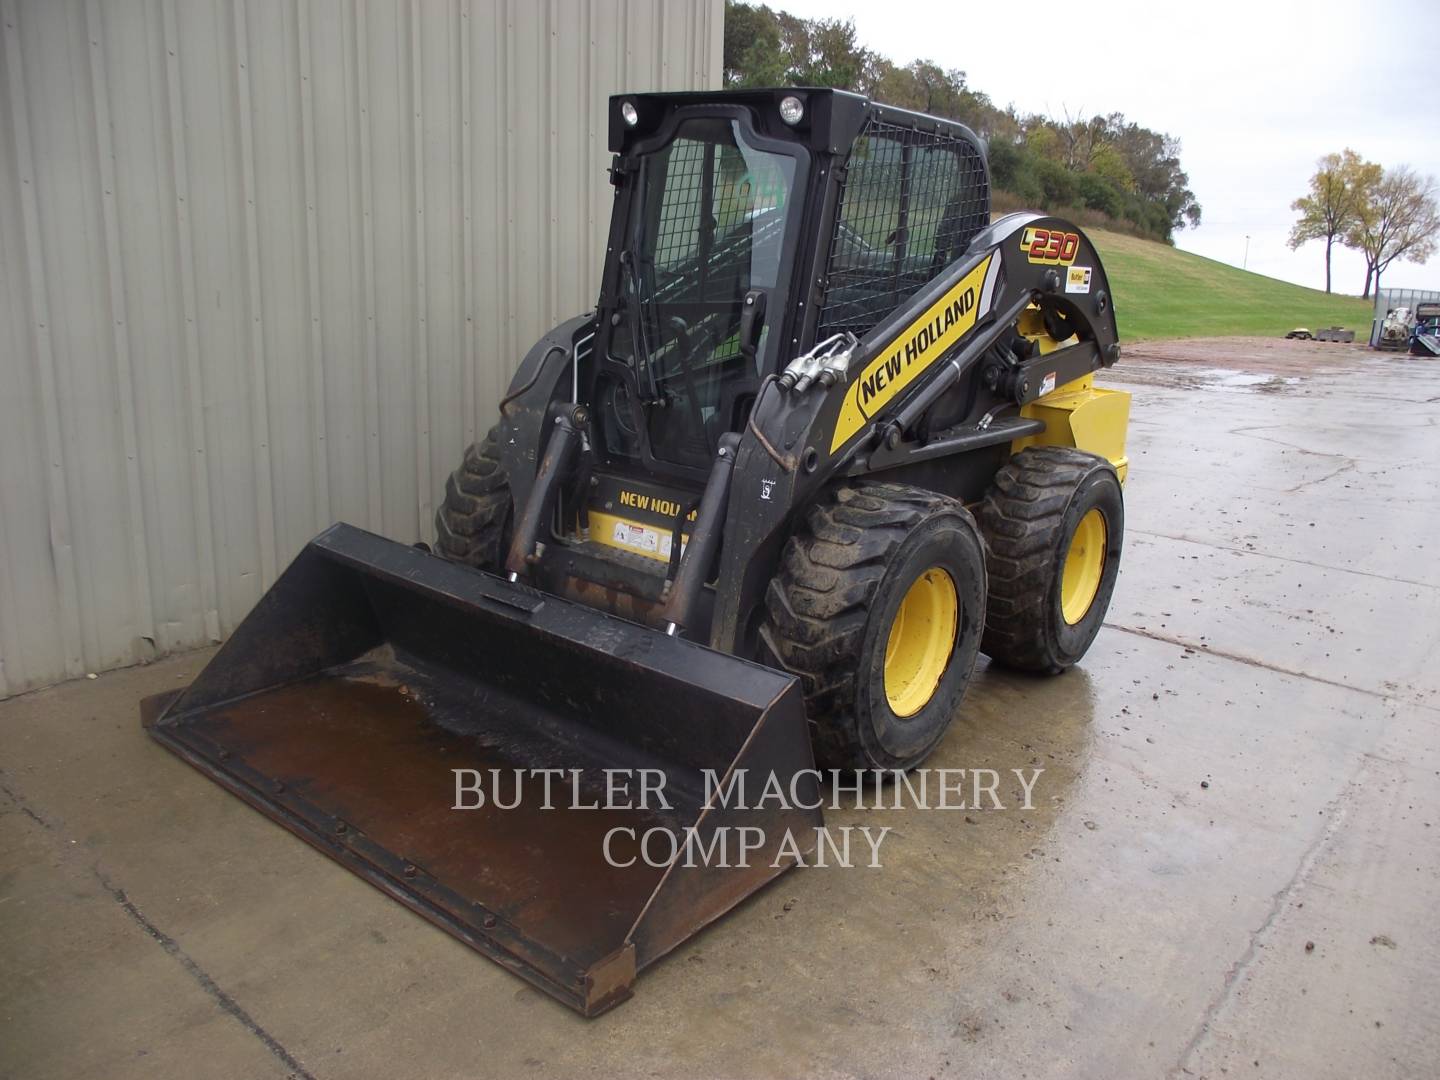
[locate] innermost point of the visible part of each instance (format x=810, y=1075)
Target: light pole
x=1245, y=262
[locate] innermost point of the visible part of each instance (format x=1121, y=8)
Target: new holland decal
x=914, y=350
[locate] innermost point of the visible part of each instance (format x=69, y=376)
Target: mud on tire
x=1028, y=517
x=830, y=607
x=472, y=523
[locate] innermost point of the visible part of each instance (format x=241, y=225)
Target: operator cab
x=747, y=226
x=709, y=237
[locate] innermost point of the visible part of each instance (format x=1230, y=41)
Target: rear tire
x=473, y=523
x=878, y=607
x=1054, y=521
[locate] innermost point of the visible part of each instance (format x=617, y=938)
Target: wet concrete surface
x=1230, y=867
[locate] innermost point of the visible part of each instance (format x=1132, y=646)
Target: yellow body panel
x=1085, y=416
x=1032, y=325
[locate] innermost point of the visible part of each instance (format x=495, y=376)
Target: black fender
x=543, y=378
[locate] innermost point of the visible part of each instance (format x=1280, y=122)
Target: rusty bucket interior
x=370, y=671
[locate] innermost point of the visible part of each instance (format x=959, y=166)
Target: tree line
x=1384, y=214
x=1106, y=164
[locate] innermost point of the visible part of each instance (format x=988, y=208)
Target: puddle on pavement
x=1225, y=380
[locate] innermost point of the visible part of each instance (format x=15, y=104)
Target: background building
x=268, y=264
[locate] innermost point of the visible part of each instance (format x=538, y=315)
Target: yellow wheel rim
x=921, y=639
x=1084, y=563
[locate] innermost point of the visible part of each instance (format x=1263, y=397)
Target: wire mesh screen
x=714, y=227
x=709, y=223
x=910, y=204
x=720, y=230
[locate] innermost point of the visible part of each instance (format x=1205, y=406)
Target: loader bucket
x=371, y=670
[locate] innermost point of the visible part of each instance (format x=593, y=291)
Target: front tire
x=878, y=607
x=1054, y=520
x=472, y=525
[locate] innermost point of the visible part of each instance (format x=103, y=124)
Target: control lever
x=752, y=323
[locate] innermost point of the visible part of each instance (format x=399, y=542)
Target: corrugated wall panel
x=266, y=264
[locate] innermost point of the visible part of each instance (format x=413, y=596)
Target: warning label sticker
x=641, y=538
x=632, y=536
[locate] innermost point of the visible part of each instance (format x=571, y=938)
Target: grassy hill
x=1161, y=292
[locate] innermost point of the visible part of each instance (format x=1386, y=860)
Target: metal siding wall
x=266, y=264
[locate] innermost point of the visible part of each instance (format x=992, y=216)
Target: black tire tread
x=1019, y=517
x=470, y=522
x=819, y=601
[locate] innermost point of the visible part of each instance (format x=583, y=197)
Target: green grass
x=1161, y=292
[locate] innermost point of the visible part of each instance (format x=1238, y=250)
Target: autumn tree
x=753, y=55
x=1104, y=163
x=1154, y=162
x=1338, y=190
x=1083, y=140
x=926, y=87
x=1109, y=164
x=821, y=52
x=1397, y=220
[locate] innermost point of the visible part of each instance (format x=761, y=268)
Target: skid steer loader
x=828, y=435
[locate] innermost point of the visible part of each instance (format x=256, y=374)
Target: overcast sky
x=1255, y=92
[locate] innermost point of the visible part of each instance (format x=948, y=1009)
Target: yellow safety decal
x=910, y=353
x=633, y=536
